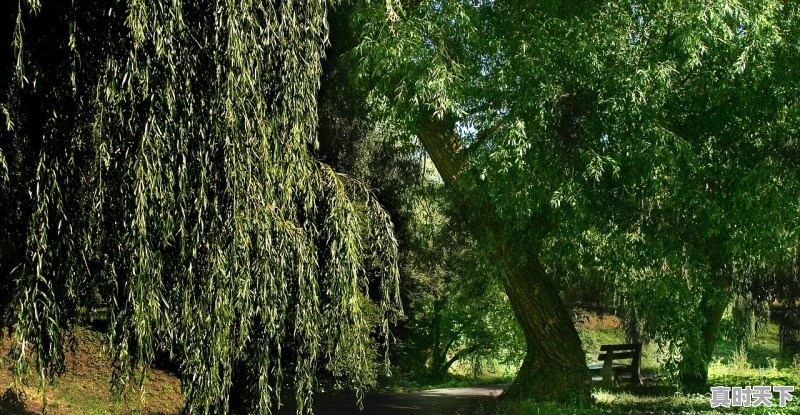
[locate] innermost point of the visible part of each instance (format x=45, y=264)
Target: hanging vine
x=174, y=175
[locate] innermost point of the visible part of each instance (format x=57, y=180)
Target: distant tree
x=777, y=289
x=453, y=312
x=457, y=311
x=161, y=155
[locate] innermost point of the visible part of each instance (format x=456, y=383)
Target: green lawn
x=596, y=331
x=759, y=364
x=660, y=397
x=621, y=402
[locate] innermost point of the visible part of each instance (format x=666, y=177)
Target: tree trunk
x=694, y=363
x=438, y=352
x=554, y=367
x=458, y=356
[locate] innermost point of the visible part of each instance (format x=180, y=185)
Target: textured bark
x=554, y=367
x=437, y=354
x=445, y=149
x=694, y=364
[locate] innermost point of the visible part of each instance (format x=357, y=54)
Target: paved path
x=431, y=402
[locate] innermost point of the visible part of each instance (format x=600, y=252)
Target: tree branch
x=485, y=134
x=460, y=355
x=444, y=146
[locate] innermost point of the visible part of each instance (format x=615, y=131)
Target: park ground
x=83, y=389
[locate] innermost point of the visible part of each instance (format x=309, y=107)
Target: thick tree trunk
x=694, y=363
x=554, y=367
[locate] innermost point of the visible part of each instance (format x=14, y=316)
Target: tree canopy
x=648, y=143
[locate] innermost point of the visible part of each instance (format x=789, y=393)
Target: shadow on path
x=430, y=402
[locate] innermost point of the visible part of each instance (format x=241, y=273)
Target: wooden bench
x=609, y=370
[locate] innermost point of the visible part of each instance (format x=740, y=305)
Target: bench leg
x=608, y=373
x=636, y=377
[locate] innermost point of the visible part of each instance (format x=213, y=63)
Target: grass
x=620, y=402
x=597, y=330
x=84, y=388
x=660, y=397
x=759, y=364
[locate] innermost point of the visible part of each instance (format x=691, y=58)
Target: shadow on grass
x=12, y=403
x=616, y=400
x=649, y=400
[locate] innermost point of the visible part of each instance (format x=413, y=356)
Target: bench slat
x=600, y=367
x=616, y=347
x=617, y=355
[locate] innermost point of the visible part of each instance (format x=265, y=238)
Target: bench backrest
x=611, y=352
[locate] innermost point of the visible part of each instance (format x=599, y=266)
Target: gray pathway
x=431, y=402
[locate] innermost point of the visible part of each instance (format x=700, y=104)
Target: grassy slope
x=84, y=388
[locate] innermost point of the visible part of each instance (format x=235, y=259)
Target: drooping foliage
x=708, y=200
x=158, y=156
x=453, y=312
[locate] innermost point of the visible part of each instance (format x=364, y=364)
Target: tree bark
x=438, y=355
x=554, y=367
x=694, y=363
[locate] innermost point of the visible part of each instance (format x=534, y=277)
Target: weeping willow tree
x=159, y=156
